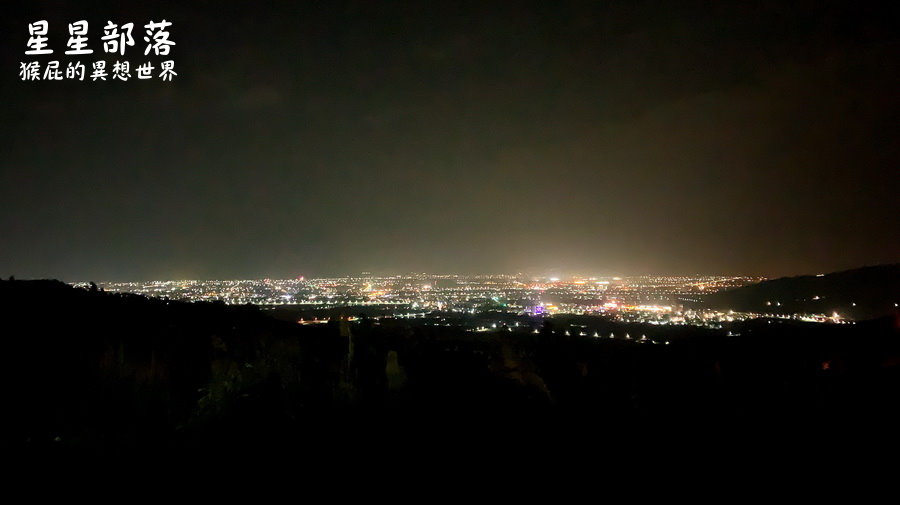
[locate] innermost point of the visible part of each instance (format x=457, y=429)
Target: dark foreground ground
x=92, y=371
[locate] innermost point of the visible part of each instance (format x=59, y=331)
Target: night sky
x=322, y=138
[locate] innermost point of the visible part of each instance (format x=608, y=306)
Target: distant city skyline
x=655, y=300
x=360, y=275
x=536, y=274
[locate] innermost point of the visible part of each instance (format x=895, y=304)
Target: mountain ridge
x=867, y=292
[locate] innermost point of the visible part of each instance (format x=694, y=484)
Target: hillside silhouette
x=862, y=293
x=103, y=371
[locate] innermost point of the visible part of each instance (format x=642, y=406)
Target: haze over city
x=587, y=138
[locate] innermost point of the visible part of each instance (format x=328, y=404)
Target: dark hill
x=84, y=369
x=862, y=293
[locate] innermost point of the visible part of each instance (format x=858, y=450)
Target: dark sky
x=326, y=138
